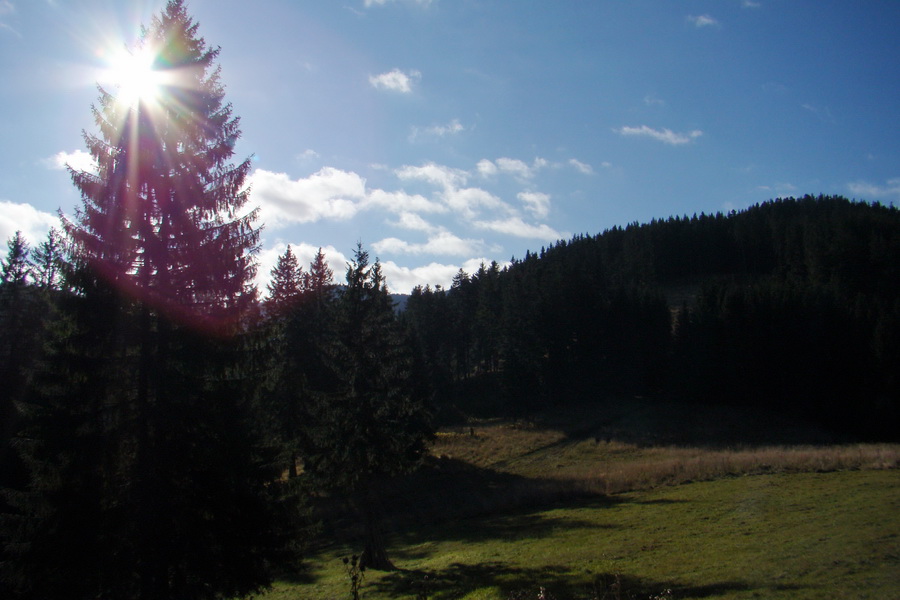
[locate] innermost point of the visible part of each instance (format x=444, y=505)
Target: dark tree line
x=791, y=304
x=163, y=431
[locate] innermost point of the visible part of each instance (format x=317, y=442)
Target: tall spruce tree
x=288, y=280
x=47, y=261
x=320, y=278
x=15, y=268
x=285, y=393
x=372, y=425
x=160, y=219
x=20, y=324
x=146, y=481
x=298, y=327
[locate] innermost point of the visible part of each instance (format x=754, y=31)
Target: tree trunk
x=374, y=554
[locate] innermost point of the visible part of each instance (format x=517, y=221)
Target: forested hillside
x=791, y=305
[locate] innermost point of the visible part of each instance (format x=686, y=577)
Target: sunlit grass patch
x=808, y=535
x=627, y=502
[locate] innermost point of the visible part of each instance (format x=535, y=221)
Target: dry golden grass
x=638, y=445
x=488, y=444
x=670, y=466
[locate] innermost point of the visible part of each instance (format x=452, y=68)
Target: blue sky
x=445, y=133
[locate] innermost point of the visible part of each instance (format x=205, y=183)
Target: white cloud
x=582, y=167
x=511, y=166
x=446, y=177
x=514, y=166
x=703, y=21
x=780, y=188
x=414, y=222
x=537, y=203
x=453, y=126
x=821, y=112
x=401, y=201
x=663, y=135
x=865, y=190
x=437, y=131
x=442, y=243
x=78, y=160
x=8, y=8
x=395, y=81
x=469, y=201
x=651, y=100
x=750, y=4
x=465, y=201
x=308, y=154
x=33, y=223
x=486, y=168
x=327, y=194
x=515, y=226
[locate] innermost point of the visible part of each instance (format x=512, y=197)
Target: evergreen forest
x=789, y=305
x=169, y=431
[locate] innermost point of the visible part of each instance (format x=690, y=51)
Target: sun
x=134, y=75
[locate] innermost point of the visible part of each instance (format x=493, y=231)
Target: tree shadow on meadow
x=302, y=573
x=509, y=527
x=661, y=501
x=559, y=583
x=452, y=500
x=448, y=489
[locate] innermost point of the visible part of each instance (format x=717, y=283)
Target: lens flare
x=136, y=77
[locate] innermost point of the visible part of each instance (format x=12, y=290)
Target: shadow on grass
x=458, y=579
x=662, y=501
x=510, y=528
x=560, y=583
x=447, y=489
x=302, y=574
x=717, y=589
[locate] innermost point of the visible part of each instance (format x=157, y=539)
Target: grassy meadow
x=629, y=501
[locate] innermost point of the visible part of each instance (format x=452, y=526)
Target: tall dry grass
x=672, y=466
x=546, y=465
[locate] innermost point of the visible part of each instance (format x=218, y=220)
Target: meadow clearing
x=632, y=502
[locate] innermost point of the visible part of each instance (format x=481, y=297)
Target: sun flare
x=135, y=77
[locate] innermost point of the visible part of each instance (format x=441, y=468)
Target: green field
x=619, y=508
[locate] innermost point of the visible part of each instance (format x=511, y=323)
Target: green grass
x=628, y=499
x=811, y=535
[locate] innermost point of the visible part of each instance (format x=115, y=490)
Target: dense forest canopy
x=791, y=303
